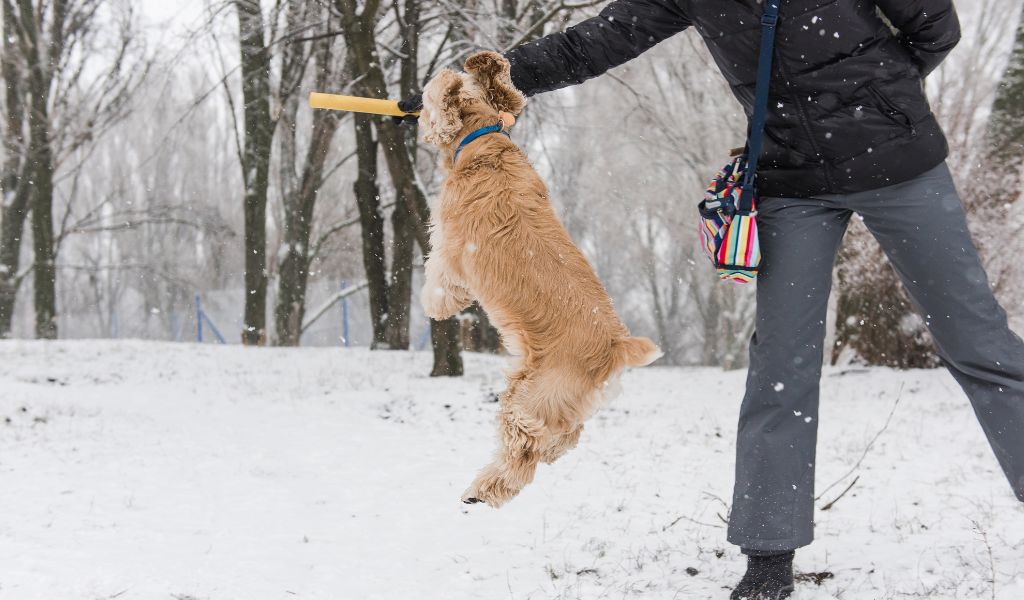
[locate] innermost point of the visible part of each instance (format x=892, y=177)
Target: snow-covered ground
x=137, y=470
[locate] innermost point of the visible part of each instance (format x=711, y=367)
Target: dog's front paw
x=439, y=303
x=433, y=298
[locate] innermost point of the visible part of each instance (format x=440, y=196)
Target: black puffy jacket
x=847, y=111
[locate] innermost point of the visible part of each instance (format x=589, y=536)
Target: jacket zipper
x=805, y=122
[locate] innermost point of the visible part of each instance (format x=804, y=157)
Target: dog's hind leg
x=561, y=444
x=522, y=438
x=567, y=403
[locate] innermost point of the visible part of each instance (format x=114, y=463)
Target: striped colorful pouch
x=728, y=233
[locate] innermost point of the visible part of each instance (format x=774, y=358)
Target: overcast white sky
x=170, y=14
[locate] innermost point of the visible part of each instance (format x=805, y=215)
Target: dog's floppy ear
x=493, y=72
x=444, y=98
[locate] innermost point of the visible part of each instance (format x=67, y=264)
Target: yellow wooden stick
x=357, y=104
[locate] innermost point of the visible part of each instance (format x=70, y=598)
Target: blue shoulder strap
x=764, y=77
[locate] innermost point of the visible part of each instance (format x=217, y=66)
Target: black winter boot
x=768, y=577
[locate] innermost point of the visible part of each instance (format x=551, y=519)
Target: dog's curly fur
x=495, y=238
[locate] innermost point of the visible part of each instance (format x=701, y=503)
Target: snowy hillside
x=154, y=471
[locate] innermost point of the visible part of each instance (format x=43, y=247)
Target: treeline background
x=157, y=156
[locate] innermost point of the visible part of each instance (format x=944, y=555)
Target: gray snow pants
x=922, y=228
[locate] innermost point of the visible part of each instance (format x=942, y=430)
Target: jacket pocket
x=892, y=110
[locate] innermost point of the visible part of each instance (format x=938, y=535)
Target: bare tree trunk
x=397, y=289
x=291, y=278
x=259, y=137
x=293, y=271
x=403, y=246
x=44, y=273
x=364, y=64
x=404, y=242
x=40, y=158
x=13, y=194
x=372, y=227
x=300, y=200
x=444, y=336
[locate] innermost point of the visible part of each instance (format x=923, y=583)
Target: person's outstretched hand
x=411, y=104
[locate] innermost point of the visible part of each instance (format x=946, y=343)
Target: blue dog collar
x=497, y=128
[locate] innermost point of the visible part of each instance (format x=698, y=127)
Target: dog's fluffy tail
x=637, y=351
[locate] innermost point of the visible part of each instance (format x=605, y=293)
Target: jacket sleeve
x=621, y=32
x=930, y=28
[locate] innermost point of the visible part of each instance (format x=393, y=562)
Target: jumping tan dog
x=496, y=239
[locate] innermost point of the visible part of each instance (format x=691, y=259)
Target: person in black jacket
x=849, y=129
